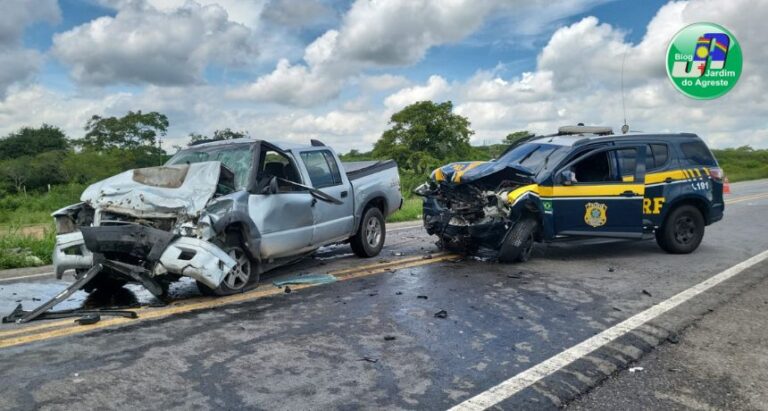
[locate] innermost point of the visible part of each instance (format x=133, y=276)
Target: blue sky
x=333, y=69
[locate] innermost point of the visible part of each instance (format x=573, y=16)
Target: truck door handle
x=628, y=193
x=344, y=194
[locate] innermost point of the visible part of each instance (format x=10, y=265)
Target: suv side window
x=605, y=166
x=695, y=153
x=322, y=168
x=659, y=153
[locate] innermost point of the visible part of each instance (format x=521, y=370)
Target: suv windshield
x=236, y=157
x=535, y=157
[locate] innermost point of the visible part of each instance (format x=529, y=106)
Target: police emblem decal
x=596, y=214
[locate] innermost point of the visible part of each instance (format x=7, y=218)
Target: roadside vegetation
x=42, y=169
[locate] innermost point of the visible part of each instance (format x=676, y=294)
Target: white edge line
x=26, y=276
x=403, y=228
x=548, y=367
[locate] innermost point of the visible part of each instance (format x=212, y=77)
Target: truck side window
x=274, y=164
x=695, y=153
x=322, y=168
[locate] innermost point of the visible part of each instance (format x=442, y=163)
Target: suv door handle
x=668, y=180
x=629, y=193
x=344, y=194
x=314, y=201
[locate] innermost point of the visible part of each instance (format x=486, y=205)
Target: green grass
x=411, y=210
x=36, y=208
x=18, y=250
x=743, y=163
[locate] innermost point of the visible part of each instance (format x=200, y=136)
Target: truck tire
x=369, y=238
x=519, y=242
x=236, y=280
x=682, y=230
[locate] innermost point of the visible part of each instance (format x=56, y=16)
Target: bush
x=19, y=250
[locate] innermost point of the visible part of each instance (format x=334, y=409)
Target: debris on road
x=287, y=289
x=88, y=319
x=648, y=293
x=427, y=257
x=305, y=279
x=635, y=369
x=389, y=338
x=611, y=269
x=673, y=338
x=441, y=314
x=422, y=297
x=369, y=359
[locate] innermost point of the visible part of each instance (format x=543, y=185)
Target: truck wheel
x=519, y=242
x=682, y=231
x=370, y=236
x=241, y=275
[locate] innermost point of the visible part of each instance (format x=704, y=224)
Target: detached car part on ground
x=222, y=213
x=582, y=181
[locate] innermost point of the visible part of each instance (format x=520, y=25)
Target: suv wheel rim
x=240, y=274
x=685, y=229
x=373, y=232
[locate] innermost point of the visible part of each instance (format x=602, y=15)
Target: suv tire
x=369, y=238
x=519, y=242
x=682, y=231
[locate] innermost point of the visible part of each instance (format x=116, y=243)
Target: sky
x=336, y=70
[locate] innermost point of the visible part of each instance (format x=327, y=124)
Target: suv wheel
x=519, y=242
x=682, y=231
x=370, y=236
x=235, y=281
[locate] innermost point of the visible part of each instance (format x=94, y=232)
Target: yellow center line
x=746, y=198
x=66, y=327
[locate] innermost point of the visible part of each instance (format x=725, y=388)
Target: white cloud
x=144, y=45
x=384, y=82
x=435, y=89
x=18, y=63
x=297, y=13
x=577, y=79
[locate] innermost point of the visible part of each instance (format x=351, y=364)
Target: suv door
x=285, y=219
x=333, y=222
x=590, y=197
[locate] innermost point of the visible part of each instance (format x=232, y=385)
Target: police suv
x=582, y=181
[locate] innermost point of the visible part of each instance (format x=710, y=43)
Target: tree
x=423, y=133
x=134, y=130
x=30, y=141
x=224, y=134
x=512, y=138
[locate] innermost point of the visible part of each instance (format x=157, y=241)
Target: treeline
x=36, y=159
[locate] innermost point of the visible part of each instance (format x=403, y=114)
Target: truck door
x=590, y=197
x=285, y=219
x=333, y=222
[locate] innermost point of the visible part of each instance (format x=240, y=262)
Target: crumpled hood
x=157, y=192
x=469, y=171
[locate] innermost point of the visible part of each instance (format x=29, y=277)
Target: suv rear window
x=695, y=153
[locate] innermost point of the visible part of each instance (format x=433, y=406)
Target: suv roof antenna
x=625, y=127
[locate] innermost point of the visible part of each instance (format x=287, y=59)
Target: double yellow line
x=61, y=328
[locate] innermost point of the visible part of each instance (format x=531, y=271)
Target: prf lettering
x=653, y=205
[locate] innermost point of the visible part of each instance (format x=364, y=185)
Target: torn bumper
x=197, y=259
x=70, y=253
x=158, y=251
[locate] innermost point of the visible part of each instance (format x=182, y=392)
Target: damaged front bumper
x=158, y=252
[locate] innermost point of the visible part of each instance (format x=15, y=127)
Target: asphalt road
x=372, y=339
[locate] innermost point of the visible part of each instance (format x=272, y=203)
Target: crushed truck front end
x=150, y=226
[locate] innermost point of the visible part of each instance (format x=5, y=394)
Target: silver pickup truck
x=222, y=213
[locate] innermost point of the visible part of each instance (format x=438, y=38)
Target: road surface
x=418, y=329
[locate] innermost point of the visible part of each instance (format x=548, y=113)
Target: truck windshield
x=236, y=157
x=534, y=156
